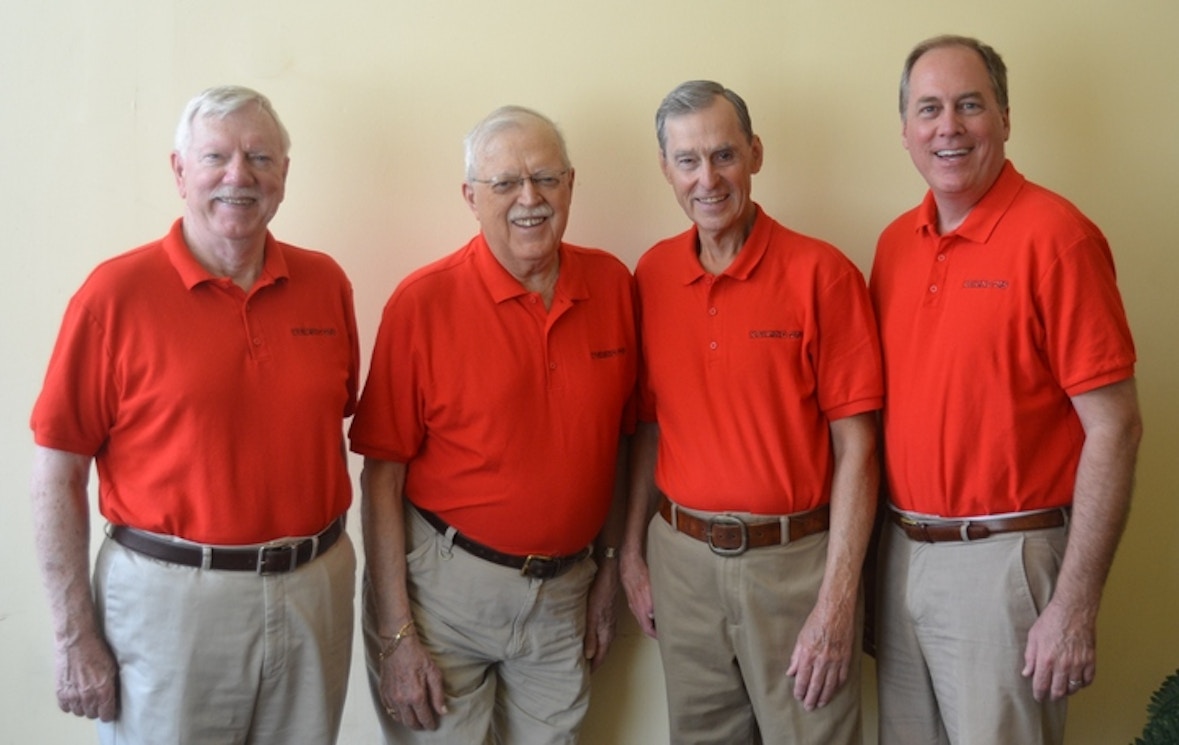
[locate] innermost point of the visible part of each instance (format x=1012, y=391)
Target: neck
x=540, y=277
x=717, y=250
x=240, y=261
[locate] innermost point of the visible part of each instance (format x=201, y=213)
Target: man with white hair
x=207, y=375
x=490, y=424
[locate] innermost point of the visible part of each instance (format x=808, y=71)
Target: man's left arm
x=601, y=607
x=1061, y=654
x=823, y=653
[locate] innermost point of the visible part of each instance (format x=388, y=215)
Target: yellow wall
x=378, y=94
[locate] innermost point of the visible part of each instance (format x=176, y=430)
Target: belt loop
x=784, y=529
x=1066, y=515
x=675, y=516
x=206, y=557
x=448, y=542
x=964, y=530
x=314, y=547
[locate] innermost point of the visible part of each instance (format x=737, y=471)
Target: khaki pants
x=727, y=627
x=226, y=658
x=953, y=625
x=511, y=648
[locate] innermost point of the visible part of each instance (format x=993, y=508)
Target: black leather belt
x=277, y=558
x=536, y=566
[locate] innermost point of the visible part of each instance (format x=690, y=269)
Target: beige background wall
x=378, y=95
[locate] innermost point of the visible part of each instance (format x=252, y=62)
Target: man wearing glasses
x=490, y=425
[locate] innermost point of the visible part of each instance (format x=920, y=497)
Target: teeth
x=237, y=202
x=710, y=200
x=951, y=153
x=529, y=222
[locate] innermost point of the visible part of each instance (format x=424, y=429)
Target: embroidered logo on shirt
x=775, y=334
x=986, y=284
x=312, y=331
x=605, y=354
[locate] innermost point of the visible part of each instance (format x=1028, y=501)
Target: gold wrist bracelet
x=391, y=647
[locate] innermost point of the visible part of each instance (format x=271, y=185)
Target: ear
x=469, y=197
x=178, y=173
x=758, y=154
x=1006, y=123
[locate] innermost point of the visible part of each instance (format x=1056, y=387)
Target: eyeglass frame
x=507, y=186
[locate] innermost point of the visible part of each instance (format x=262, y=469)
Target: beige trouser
x=227, y=658
x=727, y=627
x=953, y=622
x=511, y=648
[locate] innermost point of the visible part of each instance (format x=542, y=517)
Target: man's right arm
x=644, y=496
x=411, y=683
x=86, y=671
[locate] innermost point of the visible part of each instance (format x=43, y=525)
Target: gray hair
x=996, y=70
x=220, y=102
x=506, y=117
x=695, y=95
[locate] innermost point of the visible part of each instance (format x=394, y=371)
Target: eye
x=685, y=164
x=546, y=182
x=506, y=186
x=724, y=156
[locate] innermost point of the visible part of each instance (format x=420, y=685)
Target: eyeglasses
x=503, y=186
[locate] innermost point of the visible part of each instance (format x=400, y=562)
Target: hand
x=87, y=679
x=601, y=614
x=411, y=686
x=822, y=656
x=636, y=581
x=1061, y=656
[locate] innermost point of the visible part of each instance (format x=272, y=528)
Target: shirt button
x=713, y=345
x=257, y=342
x=712, y=311
x=933, y=288
x=941, y=257
x=552, y=365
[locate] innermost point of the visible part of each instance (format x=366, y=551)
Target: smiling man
x=207, y=375
x=756, y=445
x=1011, y=425
x=491, y=423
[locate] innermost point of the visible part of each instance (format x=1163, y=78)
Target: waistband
x=537, y=566
x=731, y=535
x=278, y=557
x=938, y=530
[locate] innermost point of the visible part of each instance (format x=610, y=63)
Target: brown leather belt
x=729, y=535
x=278, y=558
x=943, y=531
x=536, y=566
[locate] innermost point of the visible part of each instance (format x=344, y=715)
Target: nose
x=950, y=122
x=529, y=193
x=237, y=169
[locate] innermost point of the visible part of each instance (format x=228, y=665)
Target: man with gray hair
x=1011, y=425
x=491, y=424
x=207, y=376
x=755, y=470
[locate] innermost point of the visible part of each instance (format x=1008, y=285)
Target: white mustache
x=526, y=213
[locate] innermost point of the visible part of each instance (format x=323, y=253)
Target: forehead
x=524, y=147
x=949, y=72
x=707, y=128
x=249, y=124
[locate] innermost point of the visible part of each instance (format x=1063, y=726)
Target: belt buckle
x=274, y=554
x=728, y=521
x=536, y=566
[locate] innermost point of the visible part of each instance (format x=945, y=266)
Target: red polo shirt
x=213, y=414
x=744, y=371
x=508, y=416
x=987, y=332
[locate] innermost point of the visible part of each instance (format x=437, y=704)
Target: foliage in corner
x=1162, y=724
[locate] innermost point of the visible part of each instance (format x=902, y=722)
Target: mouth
x=952, y=154
x=710, y=201
x=236, y=201
x=530, y=218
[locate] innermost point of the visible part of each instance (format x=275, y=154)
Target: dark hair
x=996, y=70
x=695, y=95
